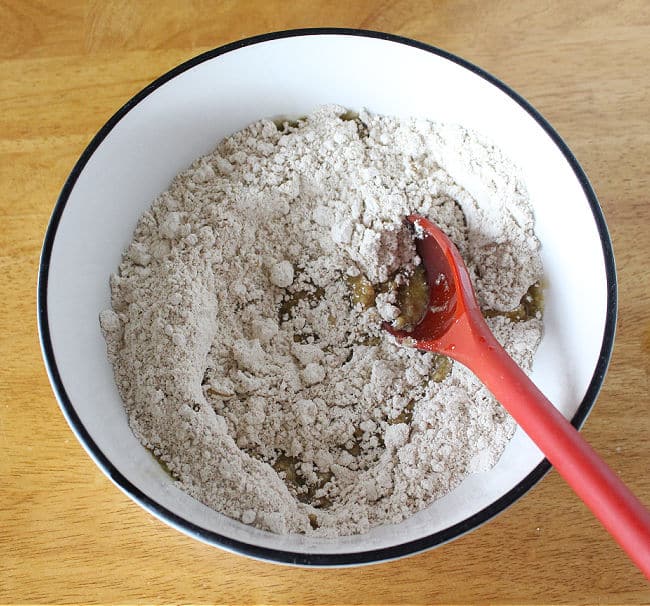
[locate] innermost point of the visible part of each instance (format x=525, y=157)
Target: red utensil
x=454, y=326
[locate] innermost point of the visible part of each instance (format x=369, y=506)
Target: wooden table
x=68, y=535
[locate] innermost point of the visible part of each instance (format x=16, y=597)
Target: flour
x=241, y=363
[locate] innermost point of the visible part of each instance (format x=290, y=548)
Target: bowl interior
x=137, y=155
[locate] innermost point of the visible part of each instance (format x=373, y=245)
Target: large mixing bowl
x=181, y=116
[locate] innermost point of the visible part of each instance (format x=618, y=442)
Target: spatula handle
x=620, y=512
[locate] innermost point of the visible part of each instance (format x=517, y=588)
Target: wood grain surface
x=68, y=535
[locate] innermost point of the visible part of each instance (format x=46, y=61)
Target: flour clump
x=245, y=325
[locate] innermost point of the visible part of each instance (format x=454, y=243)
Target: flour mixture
x=245, y=329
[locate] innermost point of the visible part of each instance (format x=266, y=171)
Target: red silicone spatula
x=454, y=326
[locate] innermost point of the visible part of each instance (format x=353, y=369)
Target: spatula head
x=450, y=290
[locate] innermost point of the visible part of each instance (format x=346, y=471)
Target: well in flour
x=245, y=328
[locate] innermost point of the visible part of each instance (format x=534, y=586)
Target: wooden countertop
x=68, y=535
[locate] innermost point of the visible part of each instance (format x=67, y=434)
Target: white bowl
x=181, y=116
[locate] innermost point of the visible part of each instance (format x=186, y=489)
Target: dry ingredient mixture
x=245, y=329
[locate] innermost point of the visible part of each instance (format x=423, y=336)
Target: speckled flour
x=243, y=365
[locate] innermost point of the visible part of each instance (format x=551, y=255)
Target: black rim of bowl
x=315, y=559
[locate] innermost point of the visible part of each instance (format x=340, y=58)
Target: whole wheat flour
x=245, y=324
